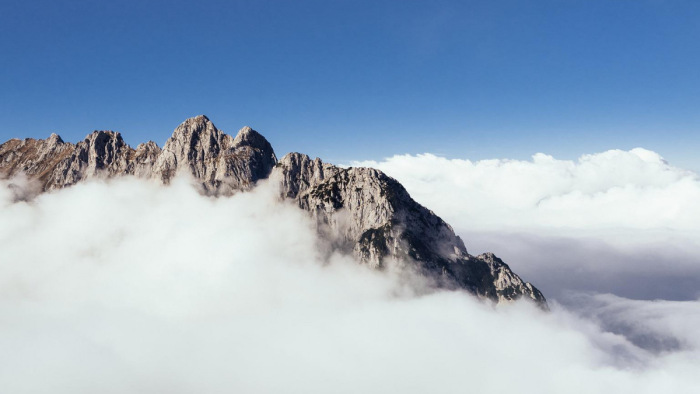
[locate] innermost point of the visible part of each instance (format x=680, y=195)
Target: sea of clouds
x=129, y=286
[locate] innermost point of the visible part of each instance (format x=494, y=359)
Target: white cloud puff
x=634, y=189
x=128, y=286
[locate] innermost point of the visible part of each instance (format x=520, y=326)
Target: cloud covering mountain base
x=131, y=286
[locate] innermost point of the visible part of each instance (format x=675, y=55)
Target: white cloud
x=616, y=189
x=132, y=287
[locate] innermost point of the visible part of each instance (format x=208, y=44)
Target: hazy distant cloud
x=660, y=326
x=664, y=268
x=129, y=286
x=618, y=221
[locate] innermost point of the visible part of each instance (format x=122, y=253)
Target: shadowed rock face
x=100, y=154
x=358, y=210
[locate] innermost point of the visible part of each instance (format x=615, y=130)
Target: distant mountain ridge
x=359, y=210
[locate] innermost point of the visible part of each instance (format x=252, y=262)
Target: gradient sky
x=356, y=80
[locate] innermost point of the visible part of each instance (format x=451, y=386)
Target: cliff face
x=359, y=210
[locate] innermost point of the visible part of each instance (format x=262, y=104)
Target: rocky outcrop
x=144, y=159
x=365, y=212
x=37, y=159
x=101, y=154
x=507, y=285
x=361, y=211
x=222, y=163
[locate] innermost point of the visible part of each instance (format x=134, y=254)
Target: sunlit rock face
x=37, y=159
x=223, y=164
x=360, y=211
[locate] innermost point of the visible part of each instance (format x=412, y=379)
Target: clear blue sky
x=362, y=79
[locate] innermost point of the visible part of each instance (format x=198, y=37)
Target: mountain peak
x=198, y=119
x=222, y=163
x=250, y=137
x=246, y=132
x=193, y=127
x=55, y=139
x=372, y=216
x=104, y=136
x=360, y=211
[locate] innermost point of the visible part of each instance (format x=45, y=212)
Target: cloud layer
x=634, y=189
x=618, y=221
x=132, y=287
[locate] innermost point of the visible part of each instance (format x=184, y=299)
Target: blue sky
x=356, y=80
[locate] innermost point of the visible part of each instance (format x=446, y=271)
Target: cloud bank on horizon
x=614, y=190
x=132, y=286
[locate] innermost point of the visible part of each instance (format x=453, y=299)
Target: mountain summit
x=361, y=211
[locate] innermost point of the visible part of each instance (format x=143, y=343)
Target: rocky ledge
x=358, y=210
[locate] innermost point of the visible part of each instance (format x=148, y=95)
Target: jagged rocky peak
x=149, y=148
x=196, y=139
x=144, y=159
x=360, y=211
x=507, y=284
x=296, y=172
x=248, y=136
x=221, y=163
x=195, y=135
x=34, y=158
x=104, y=149
x=101, y=154
x=55, y=163
x=54, y=139
x=366, y=205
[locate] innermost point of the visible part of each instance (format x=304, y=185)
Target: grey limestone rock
x=101, y=154
x=221, y=163
x=144, y=159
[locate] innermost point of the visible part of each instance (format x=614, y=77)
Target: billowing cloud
x=634, y=189
x=626, y=222
x=128, y=286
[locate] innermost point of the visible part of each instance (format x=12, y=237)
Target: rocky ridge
x=359, y=210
